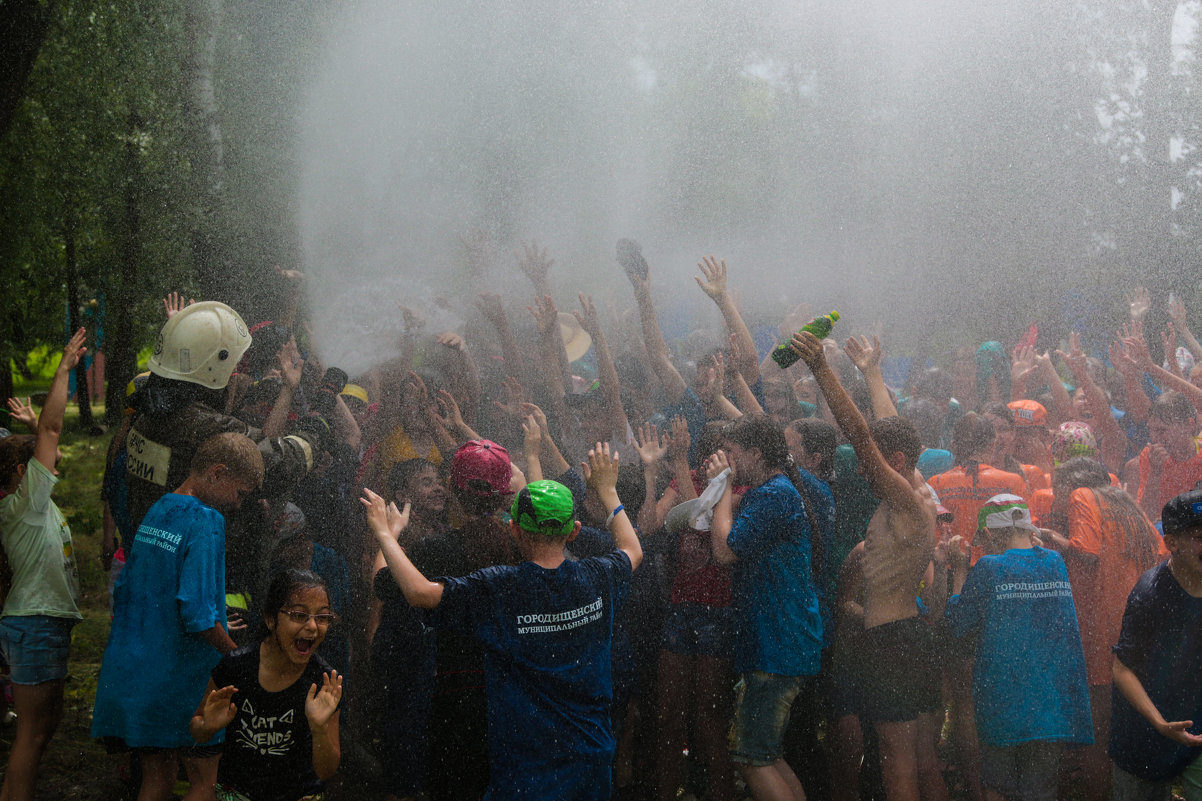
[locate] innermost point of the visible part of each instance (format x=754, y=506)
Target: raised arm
x=535, y=263
x=651, y=447
x=457, y=364
x=724, y=519
x=386, y=523
x=658, y=357
x=493, y=310
x=1180, y=320
x=50, y=423
x=601, y=473
x=546, y=317
x=1113, y=442
x=887, y=484
x=607, y=373
x=742, y=345
x=867, y=358
x=551, y=455
x=293, y=280
x=1137, y=401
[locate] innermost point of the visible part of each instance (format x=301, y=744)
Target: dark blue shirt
x=1161, y=642
x=780, y=628
x=546, y=637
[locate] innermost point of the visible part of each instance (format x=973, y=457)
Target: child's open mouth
x=303, y=646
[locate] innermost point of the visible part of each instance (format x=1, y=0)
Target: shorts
x=899, y=675
x=1128, y=787
x=692, y=629
x=36, y=647
x=1025, y=772
x=116, y=745
x=229, y=794
x=762, y=704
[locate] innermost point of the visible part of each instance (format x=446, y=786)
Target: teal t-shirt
x=37, y=541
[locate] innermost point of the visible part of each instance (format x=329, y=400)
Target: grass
x=76, y=768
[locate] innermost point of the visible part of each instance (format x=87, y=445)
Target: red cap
x=1028, y=413
x=481, y=467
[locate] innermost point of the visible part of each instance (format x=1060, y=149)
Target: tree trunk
x=210, y=256
x=120, y=350
x=86, y=422
x=23, y=26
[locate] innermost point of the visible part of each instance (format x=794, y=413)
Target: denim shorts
x=36, y=647
x=692, y=629
x=762, y=704
x=1028, y=770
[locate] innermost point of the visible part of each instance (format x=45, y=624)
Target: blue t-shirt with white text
x=1029, y=673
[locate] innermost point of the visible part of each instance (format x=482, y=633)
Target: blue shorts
x=36, y=647
x=762, y=704
x=698, y=630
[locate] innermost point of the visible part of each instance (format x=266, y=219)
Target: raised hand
x=679, y=441
x=546, y=316
x=718, y=462
x=809, y=348
x=174, y=303
x=449, y=339
x=714, y=271
x=1075, y=358
x=587, y=316
x=320, y=705
x=512, y=400
x=1176, y=309
x=533, y=262
x=863, y=355
x=23, y=413
x=1122, y=360
x=650, y=444
x=449, y=407
x=1138, y=303
x=219, y=710
x=74, y=350
x=532, y=434
x=491, y=309
x=601, y=468
x=533, y=410
x=291, y=369
x=712, y=379
x=384, y=519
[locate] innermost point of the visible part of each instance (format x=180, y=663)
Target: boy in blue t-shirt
x=546, y=626
x=1157, y=719
x=1029, y=686
x=169, y=623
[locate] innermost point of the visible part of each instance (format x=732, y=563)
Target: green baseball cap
x=544, y=507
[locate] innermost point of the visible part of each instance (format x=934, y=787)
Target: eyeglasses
x=322, y=619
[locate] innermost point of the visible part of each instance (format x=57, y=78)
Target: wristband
x=609, y=520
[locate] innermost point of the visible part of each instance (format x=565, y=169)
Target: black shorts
x=899, y=673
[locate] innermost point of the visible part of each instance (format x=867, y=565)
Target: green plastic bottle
x=819, y=327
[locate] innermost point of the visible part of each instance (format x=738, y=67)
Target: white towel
x=703, y=513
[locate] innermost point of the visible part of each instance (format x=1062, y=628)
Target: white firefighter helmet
x=202, y=344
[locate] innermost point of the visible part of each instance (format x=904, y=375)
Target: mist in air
x=918, y=162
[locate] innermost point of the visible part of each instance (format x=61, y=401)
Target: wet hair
x=971, y=435
x=284, y=585
x=236, y=451
x=1081, y=471
x=403, y=472
x=1173, y=407
x=710, y=438
x=15, y=451
x=267, y=340
x=819, y=438
x=927, y=417
x=897, y=435
x=761, y=433
x=485, y=539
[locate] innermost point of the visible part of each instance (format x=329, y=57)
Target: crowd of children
x=595, y=567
